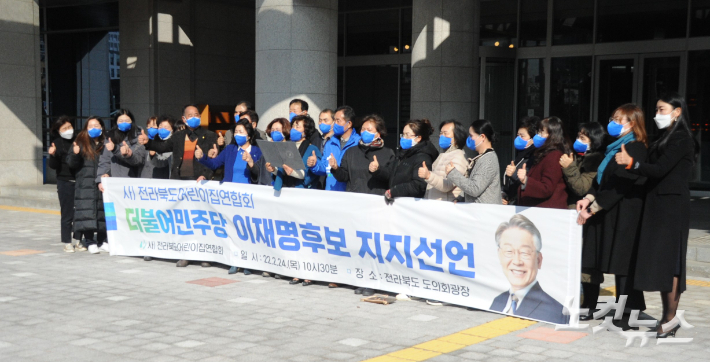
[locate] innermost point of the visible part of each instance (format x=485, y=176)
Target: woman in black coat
x=660, y=264
x=88, y=200
x=611, y=214
x=403, y=172
x=355, y=164
x=524, y=150
x=63, y=130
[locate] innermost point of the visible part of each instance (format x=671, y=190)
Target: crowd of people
x=631, y=194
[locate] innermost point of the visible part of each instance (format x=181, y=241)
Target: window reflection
x=531, y=87
x=573, y=22
x=700, y=18
x=533, y=23
x=630, y=20
x=698, y=98
x=570, y=91
x=499, y=20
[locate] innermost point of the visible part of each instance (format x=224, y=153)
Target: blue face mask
x=367, y=137
x=237, y=117
x=338, y=130
x=471, y=143
x=444, y=142
x=614, y=129
x=193, y=122
x=325, y=128
x=94, y=132
x=291, y=115
x=124, y=126
x=406, y=143
x=152, y=132
x=277, y=136
x=580, y=146
x=538, y=141
x=240, y=139
x=520, y=143
x=164, y=133
x=296, y=135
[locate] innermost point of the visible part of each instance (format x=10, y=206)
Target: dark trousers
x=65, y=191
x=624, y=286
x=89, y=236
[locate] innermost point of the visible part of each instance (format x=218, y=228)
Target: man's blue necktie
x=513, y=303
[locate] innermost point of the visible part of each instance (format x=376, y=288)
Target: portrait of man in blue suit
x=519, y=251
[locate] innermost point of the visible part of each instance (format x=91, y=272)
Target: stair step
x=30, y=202
x=47, y=192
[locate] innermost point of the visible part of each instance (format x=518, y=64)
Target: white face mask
x=663, y=120
x=67, y=135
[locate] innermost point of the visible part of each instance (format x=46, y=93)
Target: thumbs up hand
x=247, y=157
x=76, y=149
x=213, y=152
x=523, y=174
x=566, y=160
x=510, y=169
x=52, y=149
x=109, y=144
x=312, y=159
x=220, y=140
x=126, y=150
x=143, y=138
x=198, y=152
x=374, y=165
x=424, y=172
x=333, y=162
x=622, y=157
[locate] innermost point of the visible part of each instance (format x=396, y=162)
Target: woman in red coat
x=543, y=185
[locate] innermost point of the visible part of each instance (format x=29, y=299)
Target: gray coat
x=483, y=182
x=115, y=165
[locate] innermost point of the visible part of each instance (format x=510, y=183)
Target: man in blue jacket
x=344, y=137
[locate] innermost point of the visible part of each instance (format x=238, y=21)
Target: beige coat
x=438, y=187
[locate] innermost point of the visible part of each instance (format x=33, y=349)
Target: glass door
x=661, y=74
x=616, y=82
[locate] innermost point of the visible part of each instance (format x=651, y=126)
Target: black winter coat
x=88, y=199
x=611, y=235
x=206, y=139
x=666, y=216
x=58, y=162
x=512, y=184
x=402, y=172
x=355, y=169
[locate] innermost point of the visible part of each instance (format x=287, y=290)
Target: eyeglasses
x=524, y=254
x=616, y=121
x=407, y=135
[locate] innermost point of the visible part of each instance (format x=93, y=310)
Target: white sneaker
x=68, y=248
x=105, y=247
x=403, y=296
x=93, y=249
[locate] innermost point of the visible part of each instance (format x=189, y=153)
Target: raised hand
x=270, y=168
x=622, y=157
x=424, y=172
x=333, y=162
x=126, y=150
x=198, y=152
x=374, y=165
x=510, y=169
x=213, y=152
x=449, y=168
x=287, y=170
x=566, y=160
x=220, y=140
x=312, y=159
x=76, y=149
x=109, y=144
x=582, y=204
x=201, y=178
x=52, y=149
x=143, y=138
x=247, y=157
x=523, y=174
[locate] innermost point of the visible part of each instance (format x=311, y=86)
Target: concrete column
x=445, y=65
x=296, y=55
x=20, y=93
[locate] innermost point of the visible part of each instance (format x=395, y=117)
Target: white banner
x=467, y=254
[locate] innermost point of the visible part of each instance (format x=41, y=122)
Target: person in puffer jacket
x=452, y=139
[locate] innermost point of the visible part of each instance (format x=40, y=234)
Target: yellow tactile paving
x=27, y=209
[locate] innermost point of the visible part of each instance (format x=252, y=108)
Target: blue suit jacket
x=537, y=305
x=227, y=157
x=333, y=146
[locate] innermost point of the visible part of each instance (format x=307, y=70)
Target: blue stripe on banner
x=111, y=224
x=110, y=215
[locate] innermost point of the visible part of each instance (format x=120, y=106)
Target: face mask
x=237, y=117
x=325, y=128
x=291, y=115
x=124, y=126
x=67, y=135
x=663, y=120
x=240, y=139
x=296, y=135
x=338, y=130
x=444, y=142
x=406, y=143
x=471, y=143
x=367, y=137
x=94, y=132
x=193, y=122
x=614, y=129
x=277, y=136
x=538, y=141
x=520, y=144
x=164, y=133
x=580, y=146
x=152, y=132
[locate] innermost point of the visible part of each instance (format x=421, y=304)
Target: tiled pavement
x=57, y=306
